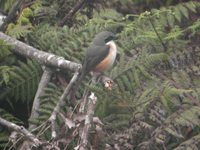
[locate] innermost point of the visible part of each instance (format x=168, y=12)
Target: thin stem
x=160, y=39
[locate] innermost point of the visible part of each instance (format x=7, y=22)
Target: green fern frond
x=45, y=13
x=4, y=132
x=187, y=118
x=4, y=49
x=4, y=138
x=7, y=4
x=191, y=143
x=10, y=117
x=47, y=103
x=175, y=33
x=195, y=27
x=24, y=80
x=22, y=26
x=18, y=31
x=4, y=74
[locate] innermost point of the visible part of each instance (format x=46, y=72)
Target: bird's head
x=103, y=37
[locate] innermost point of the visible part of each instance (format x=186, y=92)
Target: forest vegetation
x=154, y=100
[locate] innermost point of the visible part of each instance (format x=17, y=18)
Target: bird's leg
x=96, y=76
x=106, y=81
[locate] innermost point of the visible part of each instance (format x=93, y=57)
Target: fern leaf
x=184, y=11
x=22, y=80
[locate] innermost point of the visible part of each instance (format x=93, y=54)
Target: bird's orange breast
x=103, y=65
x=108, y=61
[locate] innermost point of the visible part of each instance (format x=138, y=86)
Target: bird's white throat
x=113, y=49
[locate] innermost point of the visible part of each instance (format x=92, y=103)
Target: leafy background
x=154, y=103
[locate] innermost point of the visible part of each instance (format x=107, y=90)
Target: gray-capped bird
x=99, y=57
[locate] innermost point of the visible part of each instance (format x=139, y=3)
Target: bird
x=99, y=57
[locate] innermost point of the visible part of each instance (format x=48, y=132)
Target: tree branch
x=42, y=57
x=21, y=130
x=40, y=91
x=11, y=15
x=60, y=103
x=92, y=101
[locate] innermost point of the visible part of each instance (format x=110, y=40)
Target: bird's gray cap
x=103, y=37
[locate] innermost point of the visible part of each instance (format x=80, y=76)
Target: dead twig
x=40, y=91
x=21, y=130
x=60, y=104
x=92, y=101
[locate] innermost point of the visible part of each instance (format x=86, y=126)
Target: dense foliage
x=154, y=103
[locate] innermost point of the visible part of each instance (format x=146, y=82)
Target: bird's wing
x=94, y=55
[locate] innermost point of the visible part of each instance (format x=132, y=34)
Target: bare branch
x=92, y=101
x=11, y=15
x=82, y=108
x=61, y=102
x=21, y=130
x=42, y=57
x=40, y=91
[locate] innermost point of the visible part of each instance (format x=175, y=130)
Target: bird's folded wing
x=94, y=55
